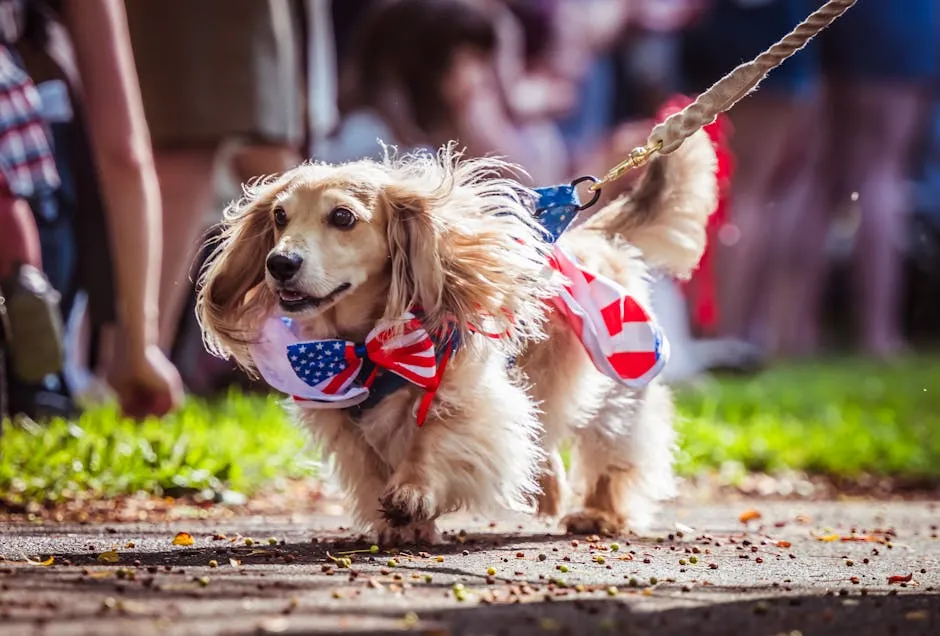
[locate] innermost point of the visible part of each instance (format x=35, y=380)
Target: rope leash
x=725, y=93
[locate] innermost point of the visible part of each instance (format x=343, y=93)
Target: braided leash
x=726, y=92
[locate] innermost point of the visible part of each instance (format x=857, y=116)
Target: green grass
x=841, y=418
x=238, y=444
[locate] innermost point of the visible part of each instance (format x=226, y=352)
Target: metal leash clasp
x=592, y=188
x=637, y=158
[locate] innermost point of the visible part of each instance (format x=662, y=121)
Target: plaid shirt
x=27, y=163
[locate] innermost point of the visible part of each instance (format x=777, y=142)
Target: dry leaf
x=897, y=578
x=863, y=538
x=749, y=515
x=183, y=538
x=234, y=563
x=783, y=544
x=111, y=556
x=44, y=564
x=826, y=538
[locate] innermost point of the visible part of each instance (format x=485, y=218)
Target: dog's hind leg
x=552, y=484
x=625, y=458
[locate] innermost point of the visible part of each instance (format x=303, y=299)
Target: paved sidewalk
x=790, y=571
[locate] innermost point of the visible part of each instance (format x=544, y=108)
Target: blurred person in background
x=879, y=62
x=92, y=45
x=521, y=79
x=593, y=37
x=836, y=119
x=424, y=72
x=769, y=142
x=216, y=76
x=31, y=338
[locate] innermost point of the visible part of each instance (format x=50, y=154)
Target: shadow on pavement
x=905, y=615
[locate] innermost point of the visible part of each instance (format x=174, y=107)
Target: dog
x=445, y=252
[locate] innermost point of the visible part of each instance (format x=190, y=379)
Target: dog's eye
x=280, y=218
x=342, y=218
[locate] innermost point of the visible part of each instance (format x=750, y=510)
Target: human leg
x=876, y=153
x=19, y=236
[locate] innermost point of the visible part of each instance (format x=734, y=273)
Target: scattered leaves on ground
x=184, y=539
x=111, y=556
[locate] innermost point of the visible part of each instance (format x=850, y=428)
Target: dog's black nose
x=283, y=266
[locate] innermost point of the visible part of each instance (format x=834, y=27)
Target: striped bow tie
x=326, y=373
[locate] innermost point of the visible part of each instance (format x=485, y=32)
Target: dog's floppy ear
x=464, y=247
x=231, y=300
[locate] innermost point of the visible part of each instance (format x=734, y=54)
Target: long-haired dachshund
x=407, y=306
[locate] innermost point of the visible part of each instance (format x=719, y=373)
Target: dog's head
x=339, y=248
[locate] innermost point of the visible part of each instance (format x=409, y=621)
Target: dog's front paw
x=594, y=521
x=424, y=533
x=406, y=504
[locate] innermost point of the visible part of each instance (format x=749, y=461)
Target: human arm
x=120, y=142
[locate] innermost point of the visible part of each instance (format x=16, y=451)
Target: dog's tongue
x=289, y=295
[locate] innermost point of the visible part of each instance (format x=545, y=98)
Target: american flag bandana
x=619, y=336
x=325, y=374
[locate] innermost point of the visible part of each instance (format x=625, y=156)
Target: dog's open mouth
x=293, y=300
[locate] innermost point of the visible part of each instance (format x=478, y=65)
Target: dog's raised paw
x=405, y=505
x=593, y=521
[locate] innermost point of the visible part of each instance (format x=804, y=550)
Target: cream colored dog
x=340, y=249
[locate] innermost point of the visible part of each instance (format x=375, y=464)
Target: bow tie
x=326, y=373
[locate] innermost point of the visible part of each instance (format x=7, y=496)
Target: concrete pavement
x=807, y=567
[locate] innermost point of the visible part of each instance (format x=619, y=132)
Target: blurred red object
x=701, y=289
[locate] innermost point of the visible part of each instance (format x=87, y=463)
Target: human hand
x=145, y=381
x=538, y=96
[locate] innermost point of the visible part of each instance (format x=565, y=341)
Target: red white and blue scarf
x=338, y=374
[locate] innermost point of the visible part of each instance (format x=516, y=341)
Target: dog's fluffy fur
x=455, y=238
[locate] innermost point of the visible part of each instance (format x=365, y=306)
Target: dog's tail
x=667, y=213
